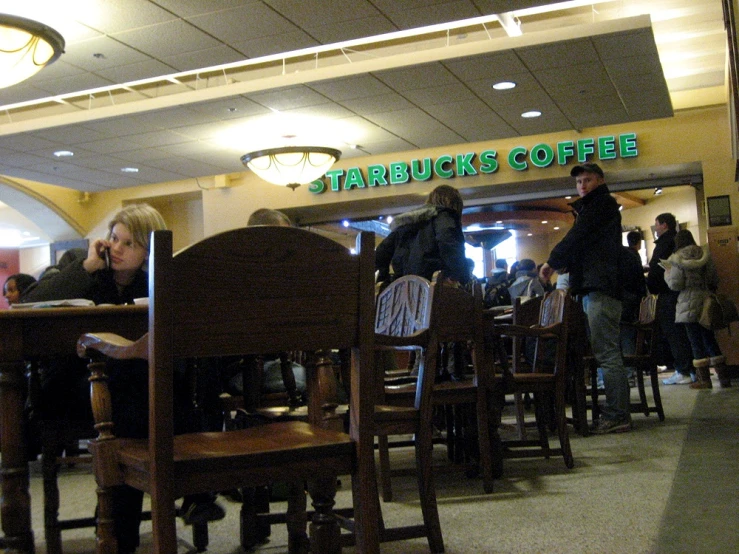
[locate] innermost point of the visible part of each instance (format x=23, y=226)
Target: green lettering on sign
x=464, y=164
x=333, y=178
x=488, y=163
x=585, y=147
x=542, y=155
x=419, y=174
x=376, y=175
x=627, y=143
x=513, y=158
x=317, y=187
x=607, y=148
x=565, y=150
x=354, y=179
x=399, y=173
x=439, y=170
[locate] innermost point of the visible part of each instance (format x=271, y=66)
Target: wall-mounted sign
x=719, y=211
x=448, y=166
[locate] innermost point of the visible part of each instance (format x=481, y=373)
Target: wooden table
x=25, y=335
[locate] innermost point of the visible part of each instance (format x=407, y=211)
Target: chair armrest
x=520, y=331
x=113, y=346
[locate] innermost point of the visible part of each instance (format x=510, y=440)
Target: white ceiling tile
x=167, y=39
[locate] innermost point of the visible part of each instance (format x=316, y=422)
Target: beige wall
x=694, y=135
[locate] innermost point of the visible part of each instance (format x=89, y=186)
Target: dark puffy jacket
x=664, y=246
x=423, y=241
x=72, y=281
x=590, y=251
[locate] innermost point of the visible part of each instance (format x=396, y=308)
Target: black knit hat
x=588, y=167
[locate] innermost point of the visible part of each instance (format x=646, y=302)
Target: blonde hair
x=140, y=220
x=265, y=216
x=446, y=196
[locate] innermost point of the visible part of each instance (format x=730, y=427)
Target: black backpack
x=497, y=295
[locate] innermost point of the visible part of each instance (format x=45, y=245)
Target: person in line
x=527, y=283
x=266, y=216
x=690, y=271
x=634, y=290
x=674, y=336
x=590, y=252
x=500, y=273
x=426, y=240
x=15, y=286
x=546, y=281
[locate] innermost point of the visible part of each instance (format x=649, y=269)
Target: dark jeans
x=674, y=334
x=702, y=341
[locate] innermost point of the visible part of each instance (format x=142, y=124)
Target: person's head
x=664, y=222
x=15, y=285
x=265, y=216
x=683, y=238
x=514, y=268
x=446, y=196
x=633, y=239
x=129, y=232
x=588, y=177
x=528, y=266
x=501, y=263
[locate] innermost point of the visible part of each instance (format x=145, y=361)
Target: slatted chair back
x=244, y=292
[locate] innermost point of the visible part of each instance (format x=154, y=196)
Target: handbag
x=718, y=312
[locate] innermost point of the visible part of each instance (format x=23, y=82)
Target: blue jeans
x=603, y=314
x=702, y=341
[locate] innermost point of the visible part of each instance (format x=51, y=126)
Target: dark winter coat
x=633, y=283
x=664, y=246
x=590, y=251
x=423, y=241
x=691, y=271
x=73, y=281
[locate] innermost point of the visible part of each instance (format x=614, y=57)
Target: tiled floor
x=669, y=487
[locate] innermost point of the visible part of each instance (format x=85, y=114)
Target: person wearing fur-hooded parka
x=691, y=271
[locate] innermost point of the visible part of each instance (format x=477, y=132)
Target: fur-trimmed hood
x=419, y=215
x=690, y=257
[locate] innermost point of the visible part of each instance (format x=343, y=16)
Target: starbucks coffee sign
x=448, y=166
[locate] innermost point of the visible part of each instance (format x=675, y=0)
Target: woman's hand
x=96, y=256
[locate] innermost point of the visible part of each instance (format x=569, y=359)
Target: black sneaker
x=604, y=426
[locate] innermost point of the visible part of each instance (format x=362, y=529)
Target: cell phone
x=106, y=257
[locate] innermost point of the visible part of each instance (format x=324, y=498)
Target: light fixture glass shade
x=291, y=166
x=26, y=47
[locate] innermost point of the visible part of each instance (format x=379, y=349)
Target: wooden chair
x=245, y=292
x=547, y=383
x=414, y=313
x=643, y=360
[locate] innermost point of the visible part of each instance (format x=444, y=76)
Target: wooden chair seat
x=198, y=455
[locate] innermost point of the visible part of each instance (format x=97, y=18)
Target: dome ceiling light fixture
x=291, y=166
x=26, y=47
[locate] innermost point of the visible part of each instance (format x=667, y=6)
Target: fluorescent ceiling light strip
x=536, y=10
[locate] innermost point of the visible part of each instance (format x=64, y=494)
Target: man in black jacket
x=590, y=252
x=665, y=226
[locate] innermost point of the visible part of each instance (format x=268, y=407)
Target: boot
x=703, y=374
x=717, y=363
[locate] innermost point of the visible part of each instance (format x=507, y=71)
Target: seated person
x=527, y=282
x=15, y=286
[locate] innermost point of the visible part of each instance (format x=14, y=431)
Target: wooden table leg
x=15, y=502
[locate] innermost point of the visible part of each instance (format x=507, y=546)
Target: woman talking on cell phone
x=114, y=271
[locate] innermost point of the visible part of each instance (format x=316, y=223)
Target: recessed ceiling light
x=658, y=191
x=499, y=222
x=530, y=234
x=556, y=228
x=389, y=219
x=130, y=169
x=345, y=223
x=544, y=222
x=63, y=153
x=504, y=85
x=568, y=197
x=530, y=114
